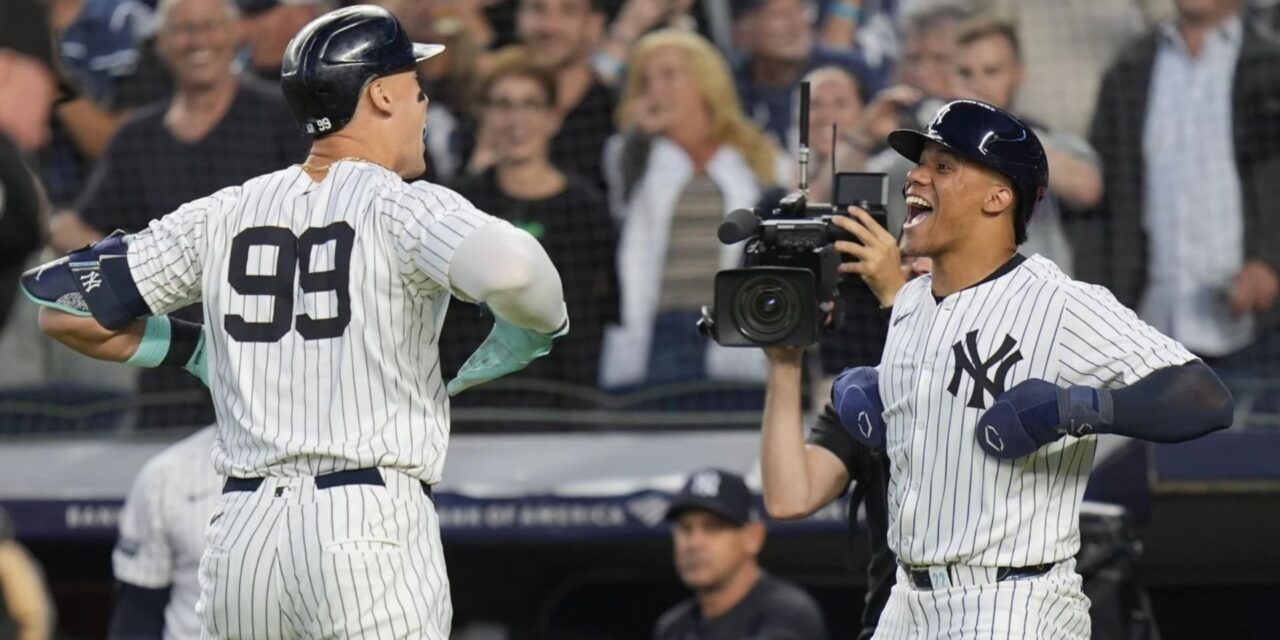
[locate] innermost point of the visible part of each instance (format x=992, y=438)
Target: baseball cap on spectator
x=24, y=28
x=720, y=492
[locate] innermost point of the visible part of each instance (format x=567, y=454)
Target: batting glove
x=1035, y=412
x=198, y=364
x=855, y=394
x=507, y=350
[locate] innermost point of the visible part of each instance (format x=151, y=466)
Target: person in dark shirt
x=149, y=170
x=716, y=544
x=218, y=129
x=21, y=209
x=563, y=211
x=561, y=36
x=28, y=87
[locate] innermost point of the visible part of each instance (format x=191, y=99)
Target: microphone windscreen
x=738, y=226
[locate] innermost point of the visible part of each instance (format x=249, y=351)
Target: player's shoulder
x=912, y=293
x=436, y=192
x=423, y=198
x=1060, y=286
x=271, y=184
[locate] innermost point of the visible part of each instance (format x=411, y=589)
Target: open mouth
x=918, y=210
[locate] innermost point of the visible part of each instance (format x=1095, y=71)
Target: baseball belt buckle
x=938, y=578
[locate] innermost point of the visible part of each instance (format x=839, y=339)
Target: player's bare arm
x=86, y=336
x=798, y=478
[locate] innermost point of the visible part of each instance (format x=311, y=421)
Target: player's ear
x=999, y=197
x=380, y=96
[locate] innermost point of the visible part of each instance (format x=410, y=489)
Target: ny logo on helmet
x=968, y=361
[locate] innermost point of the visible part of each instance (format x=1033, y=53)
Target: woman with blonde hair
x=686, y=156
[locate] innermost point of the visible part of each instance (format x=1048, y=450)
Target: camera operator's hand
x=878, y=261
x=784, y=356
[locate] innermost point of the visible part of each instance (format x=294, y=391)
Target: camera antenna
x=834, y=153
x=804, y=138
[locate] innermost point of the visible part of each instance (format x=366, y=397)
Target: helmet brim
x=910, y=143
x=423, y=51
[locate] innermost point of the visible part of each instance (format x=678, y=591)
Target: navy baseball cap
x=720, y=492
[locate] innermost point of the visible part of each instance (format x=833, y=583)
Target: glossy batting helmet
x=329, y=62
x=991, y=137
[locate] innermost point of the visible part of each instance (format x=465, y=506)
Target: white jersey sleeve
x=167, y=258
x=1104, y=344
x=142, y=556
x=429, y=222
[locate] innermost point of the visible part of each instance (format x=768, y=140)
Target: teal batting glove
x=507, y=350
x=198, y=365
x=165, y=342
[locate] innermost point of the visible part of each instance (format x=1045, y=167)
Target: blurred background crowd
x=620, y=132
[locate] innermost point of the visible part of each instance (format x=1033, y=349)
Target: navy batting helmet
x=991, y=137
x=329, y=62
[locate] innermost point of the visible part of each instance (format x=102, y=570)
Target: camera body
x=789, y=279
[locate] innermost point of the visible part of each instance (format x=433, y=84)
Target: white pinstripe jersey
x=324, y=303
x=944, y=362
x=162, y=528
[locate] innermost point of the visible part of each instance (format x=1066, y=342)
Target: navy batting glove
x=856, y=396
x=1035, y=412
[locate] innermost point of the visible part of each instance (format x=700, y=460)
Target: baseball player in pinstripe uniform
x=997, y=373
x=162, y=536
x=324, y=286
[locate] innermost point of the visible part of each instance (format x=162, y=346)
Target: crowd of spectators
x=620, y=132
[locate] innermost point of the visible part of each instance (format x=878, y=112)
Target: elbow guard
x=92, y=281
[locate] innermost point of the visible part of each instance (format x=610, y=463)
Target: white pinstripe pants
x=1051, y=606
x=356, y=561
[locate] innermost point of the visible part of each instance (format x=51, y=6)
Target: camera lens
x=766, y=309
x=766, y=305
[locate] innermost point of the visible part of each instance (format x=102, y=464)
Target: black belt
x=921, y=580
x=323, y=481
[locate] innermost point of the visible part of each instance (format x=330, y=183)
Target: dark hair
x=515, y=61
x=983, y=27
x=932, y=17
x=1019, y=223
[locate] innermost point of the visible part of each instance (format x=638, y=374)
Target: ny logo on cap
x=705, y=484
